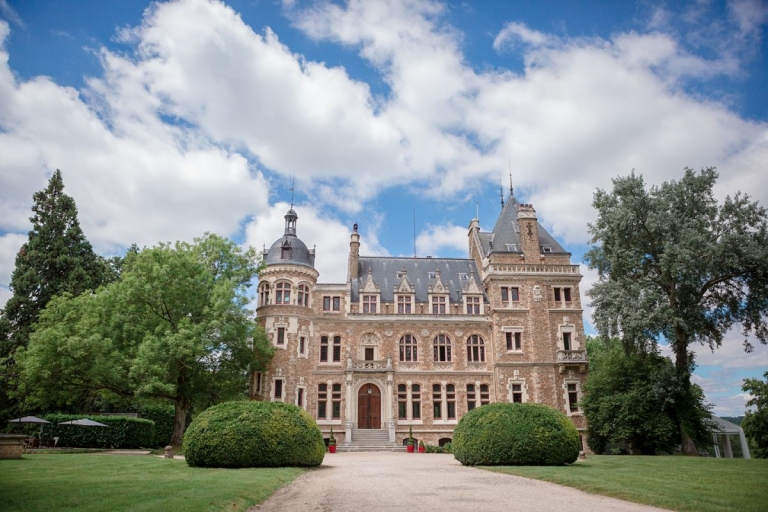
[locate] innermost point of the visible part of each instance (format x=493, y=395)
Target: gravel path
x=376, y=481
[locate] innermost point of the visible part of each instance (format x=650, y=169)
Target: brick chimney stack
x=354, y=254
x=529, y=232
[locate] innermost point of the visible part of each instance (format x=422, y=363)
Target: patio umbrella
x=84, y=422
x=28, y=419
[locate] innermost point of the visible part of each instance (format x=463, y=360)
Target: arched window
x=408, y=349
x=283, y=293
x=264, y=294
x=442, y=348
x=475, y=349
x=303, y=295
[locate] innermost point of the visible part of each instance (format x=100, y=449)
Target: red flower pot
x=422, y=449
x=332, y=448
x=410, y=448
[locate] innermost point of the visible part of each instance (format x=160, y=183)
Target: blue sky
x=175, y=118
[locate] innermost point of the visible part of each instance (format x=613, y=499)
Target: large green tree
x=57, y=258
x=755, y=422
x=630, y=399
x=676, y=266
x=176, y=326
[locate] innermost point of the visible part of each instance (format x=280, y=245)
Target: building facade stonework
x=414, y=343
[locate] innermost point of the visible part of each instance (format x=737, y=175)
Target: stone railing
x=368, y=366
x=498, y=268
x=571, y=356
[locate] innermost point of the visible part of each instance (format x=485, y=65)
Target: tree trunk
x=181, y=406
x=683, y=367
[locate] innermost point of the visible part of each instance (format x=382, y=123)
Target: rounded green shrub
x=517, y=434
x=253, y=434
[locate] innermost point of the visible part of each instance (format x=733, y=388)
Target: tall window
x=573, y=397
x=323, y=349
x=437, y=402
x=485, y=394
x=438, y=305
x=409, y=402
x=322, y=401
x=562, y=294
x=475, y=349
x=264, y=294
x=278, y=390
x=404, y=304
x=337, y=349
x=408, y=349
x=283, y=293
x=416, y=402
x=473, y=305
x=303, y=295
x=402, y=402
x=450, y=400
x=281, y=336
x=336, y=402
x=471, y=397
x=514, y=340
x=566, y=341
x=300, y=397
x=302, y=345
x=442, y=348
x=369, y=303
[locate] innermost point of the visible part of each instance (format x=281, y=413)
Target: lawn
x=674, y=482
x=97, y=482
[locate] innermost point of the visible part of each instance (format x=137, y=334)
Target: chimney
x=529, y=232
x=354, y=254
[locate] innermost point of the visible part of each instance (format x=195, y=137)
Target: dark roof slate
x=386, y=274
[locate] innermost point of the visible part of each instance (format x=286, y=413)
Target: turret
x=354, y=254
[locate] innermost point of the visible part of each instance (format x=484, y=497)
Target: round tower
x=286, y=285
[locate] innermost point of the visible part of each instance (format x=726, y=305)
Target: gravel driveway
x=381, y=481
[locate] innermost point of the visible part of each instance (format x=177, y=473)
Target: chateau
x=417, y=342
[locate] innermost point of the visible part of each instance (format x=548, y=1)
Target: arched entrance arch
x=369, y=406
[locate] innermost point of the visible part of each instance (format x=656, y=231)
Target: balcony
x=522, y=268
x=361, y=366
x=572, y=358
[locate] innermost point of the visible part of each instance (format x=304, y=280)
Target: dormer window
x=463, y=277
x=404, y=304
x=285, y=251
x=369, y=303
x=432, y=275
x=546, y=248
x=512, y=247
x=438, y=305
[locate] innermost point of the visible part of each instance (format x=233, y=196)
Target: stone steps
x=365, y=440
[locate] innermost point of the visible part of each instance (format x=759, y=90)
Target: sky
x=172, y=119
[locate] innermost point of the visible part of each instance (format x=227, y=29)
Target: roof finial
x=501, y=192
x=511, y=189
x=293, y=184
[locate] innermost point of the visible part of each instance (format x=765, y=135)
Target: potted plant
x=422, y=448
x=411, y=440
x=332, y=442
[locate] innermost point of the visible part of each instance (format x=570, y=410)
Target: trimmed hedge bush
x=162, y=415
x=121, y=432
x=254, y=434
x=516, y=434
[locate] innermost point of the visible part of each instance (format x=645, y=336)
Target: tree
x=57, y=258
x=629, y=399
x=175, y=326
x=755, y=423
x=675, y=266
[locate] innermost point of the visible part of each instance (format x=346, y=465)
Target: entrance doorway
x=369, y=407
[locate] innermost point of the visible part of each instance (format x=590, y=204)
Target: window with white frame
x=323, y=349
x=476, y=400
x=517, y=392
x=280, y=337
x=331, y=304
x=337, y=349
x=475, y=349
x=562, y=295
x=322, y=401
x=336, y=401
x=568, y=338
x=442, y=348
x=404, y=304
x=572, y=397
x=283, y=293
x=409, y=402
x=514, y=341
x=510, y=295
x=369, y=303
x=473, y=305
x=302, y=348
x=303, y=295
x=264, y=294
x=439, y=304
x=278, y=389
x=444, y=402
x=408, y=348
x=301, y=397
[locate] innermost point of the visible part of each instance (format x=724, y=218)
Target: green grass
x=95, y=482
x=676, y=483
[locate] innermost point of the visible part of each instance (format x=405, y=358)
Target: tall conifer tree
x=57, y=258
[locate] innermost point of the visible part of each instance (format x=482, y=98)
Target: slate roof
x=386, y=274
x=299, y=253
x=506, y=233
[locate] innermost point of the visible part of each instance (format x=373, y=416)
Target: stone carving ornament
x=425, y=332
x=537, y=293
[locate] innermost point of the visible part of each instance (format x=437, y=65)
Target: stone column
x=388, y=401
x=348, y=416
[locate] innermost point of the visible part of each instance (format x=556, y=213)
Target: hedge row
x=121, y=432
x=162, y=415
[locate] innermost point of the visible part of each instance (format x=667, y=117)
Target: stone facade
x=417, y=342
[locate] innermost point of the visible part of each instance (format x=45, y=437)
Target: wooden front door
x=369, y=407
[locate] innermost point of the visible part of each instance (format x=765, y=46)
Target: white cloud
x=731, y=354
x=10, y=243
x=431, y=241
x=514, y=32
